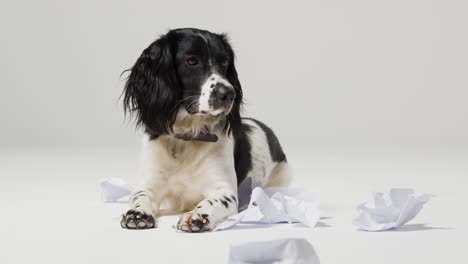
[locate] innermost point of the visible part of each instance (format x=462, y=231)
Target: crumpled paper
x=115, y=190
x=390, y=210
x=282, y=251
x=277, y=205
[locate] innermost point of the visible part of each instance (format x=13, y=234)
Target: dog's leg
x=146, y=200
x=141, y=214
x=209, y=212
x=220, y=189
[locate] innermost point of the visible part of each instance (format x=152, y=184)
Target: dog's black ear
x=152, y=89
x=234, y=123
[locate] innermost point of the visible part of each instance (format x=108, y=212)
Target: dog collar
x=205, y=137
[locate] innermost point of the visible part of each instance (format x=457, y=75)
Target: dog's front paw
x=134, y=219
x=194, y=222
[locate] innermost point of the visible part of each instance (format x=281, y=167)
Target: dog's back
x=258, y=154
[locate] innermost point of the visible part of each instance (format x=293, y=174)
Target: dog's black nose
x=224, y=94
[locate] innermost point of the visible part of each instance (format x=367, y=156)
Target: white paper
x=390, y=210
x=115, y=190
x=282, y=251
x=277, y=205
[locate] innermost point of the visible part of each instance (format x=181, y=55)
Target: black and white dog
x=185, y=93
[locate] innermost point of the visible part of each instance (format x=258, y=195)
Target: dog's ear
x=152, y=89
x=234, y=123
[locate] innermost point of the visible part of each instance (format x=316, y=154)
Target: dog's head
x=186, y=70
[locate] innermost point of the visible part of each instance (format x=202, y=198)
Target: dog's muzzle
x=217, y=96
x=222, y=96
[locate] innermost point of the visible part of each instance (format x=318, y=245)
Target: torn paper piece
x=282, y=251
x=390, y=210
x=277, y=205
x=115, y=190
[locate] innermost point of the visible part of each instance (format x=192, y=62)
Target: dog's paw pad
x=134, y=219
x=194, y=222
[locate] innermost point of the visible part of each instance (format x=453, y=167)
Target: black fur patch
x=227, y=198
x=137, y=195
x=225, y=203
x=242, y=155
x=152, y=88
x=211, y=203
x=152, y=136
x=276, y=151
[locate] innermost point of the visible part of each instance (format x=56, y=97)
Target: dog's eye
x=225, y=63
x=192, y=61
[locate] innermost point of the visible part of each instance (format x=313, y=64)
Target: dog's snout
x=217, y=96
x=224, y=93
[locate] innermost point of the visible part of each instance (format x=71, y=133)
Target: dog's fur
x=186, y=82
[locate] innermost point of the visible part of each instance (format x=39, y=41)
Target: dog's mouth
x=194, y=110
x=216, y=112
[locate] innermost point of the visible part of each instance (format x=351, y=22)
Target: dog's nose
x=224, y=94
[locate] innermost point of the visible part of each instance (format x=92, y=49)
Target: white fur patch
x=206, y=91
x=197, y=123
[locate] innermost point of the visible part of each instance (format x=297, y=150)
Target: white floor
x=51, y=210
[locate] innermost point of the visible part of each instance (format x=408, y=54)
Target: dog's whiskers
x=193, y=97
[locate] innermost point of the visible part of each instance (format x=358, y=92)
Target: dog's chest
x=186, y=169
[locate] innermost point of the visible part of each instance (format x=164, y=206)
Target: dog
x=185, y=93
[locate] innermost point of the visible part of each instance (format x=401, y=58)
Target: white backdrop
x=332, y=73
x=364, y=95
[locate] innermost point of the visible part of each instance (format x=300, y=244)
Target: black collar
x=205, y=137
